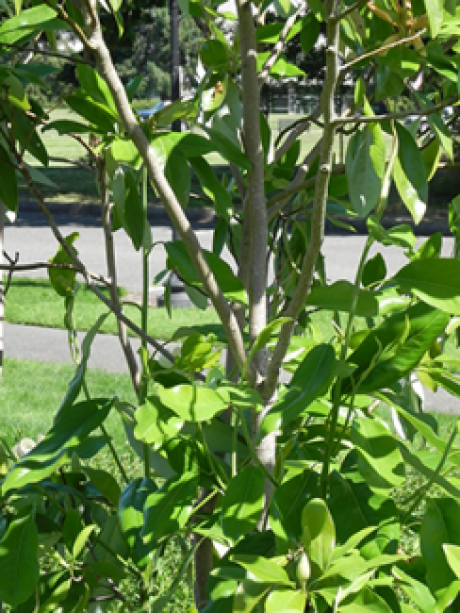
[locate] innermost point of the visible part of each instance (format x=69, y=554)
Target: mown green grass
x=32, y=301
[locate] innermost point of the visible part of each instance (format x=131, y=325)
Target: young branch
x=320, y=200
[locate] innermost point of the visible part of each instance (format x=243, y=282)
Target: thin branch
x=354, y=7
x=11, y=269
x=397, y=115
x=319, y=203
x=112, y=273
x=62, y=56
x=396, y=43
x=279, y=46
x=300, y=125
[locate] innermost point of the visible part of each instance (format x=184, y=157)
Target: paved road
x=34, y=241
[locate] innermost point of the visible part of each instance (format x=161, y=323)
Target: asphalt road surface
x=33, y=240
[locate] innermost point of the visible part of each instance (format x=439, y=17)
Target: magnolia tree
x=285, y=494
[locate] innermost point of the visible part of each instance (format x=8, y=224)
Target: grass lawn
x=34, y=302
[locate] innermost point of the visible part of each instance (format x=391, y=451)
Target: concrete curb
x=205, y=216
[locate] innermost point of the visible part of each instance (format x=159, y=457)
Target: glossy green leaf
x=177, y=173
x=9, y=182
x=95, y=86
x=339, y=297
x=318, y=532
x=66, y=126
x=434, y=10
x=310, y=32
x=131, y=515
x=62, y=280
x=431, y=248
x=400, y=235
x=355, y=507
x=192, y=402
x=365, y=601
x=19, y=568
x=156, y=423
x=416, y=591
x=123, y=151
x=72, y=425
x=375, y=271
x=264, y=337
x=168, y=509
x=290, y=499
x=17, y=27
x=440, y=526
x=82, y=539
x=214, y=54
x=311, y=380
x=134, y=214
x=227, y=149
x=285, y=600
x=382, y=360
x=261, y=569
x=431, y=155
x=230, y=285
x=248, y=594
x=94, y=112
x=442, y=133
x=105, y=482
x=380, y=461
x=26, y=133
x=15, y=92
x=243, y=503
x=435, y=281
x=212, y=186
x=410, y=175
x=115, y=543
x=363, y=182
x=453, y=557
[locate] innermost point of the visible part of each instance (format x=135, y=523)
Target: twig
x=62, y=56
x=54, y=158
x=37, y=265
x=396, y=43
x=11, y=269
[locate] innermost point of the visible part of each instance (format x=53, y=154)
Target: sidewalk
x=50, y=345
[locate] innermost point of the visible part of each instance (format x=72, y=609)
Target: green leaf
x=95, y=87
x=435, y=281
x=212, y=187
x=230, y=285
x=104, y=482
x=440, y=526
x=375, y=270
x=285, y=600
x=263, y=338
x=243, y=503
x=62, y=280
x=94, y=112
x=431, y=155
x=394, y=348
x=380, y=461
x=177, y=173
x=131, y=515
x=415, y=590
x=355, y=507
x=155, y=423
x=365, y=601
x=214, y=54
x=247, y=595
x=82, y=539
x=72, y=425
x=310, y=32
x=410, y=175
x=192, y=402
x=26, y=21
x=19, y=568
x=15, y=92
x=133, y=213
x=26, y=133
x=434, y=10
x=363, y=182
x=442, y=134
x=339, y=297
x=167, y=510
x=227, y=149
x=261, y=569
x=401, y=235
x=453, y=557
x=123, y=151
x=318, y=532
x=311, y=380
x=9, y=182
